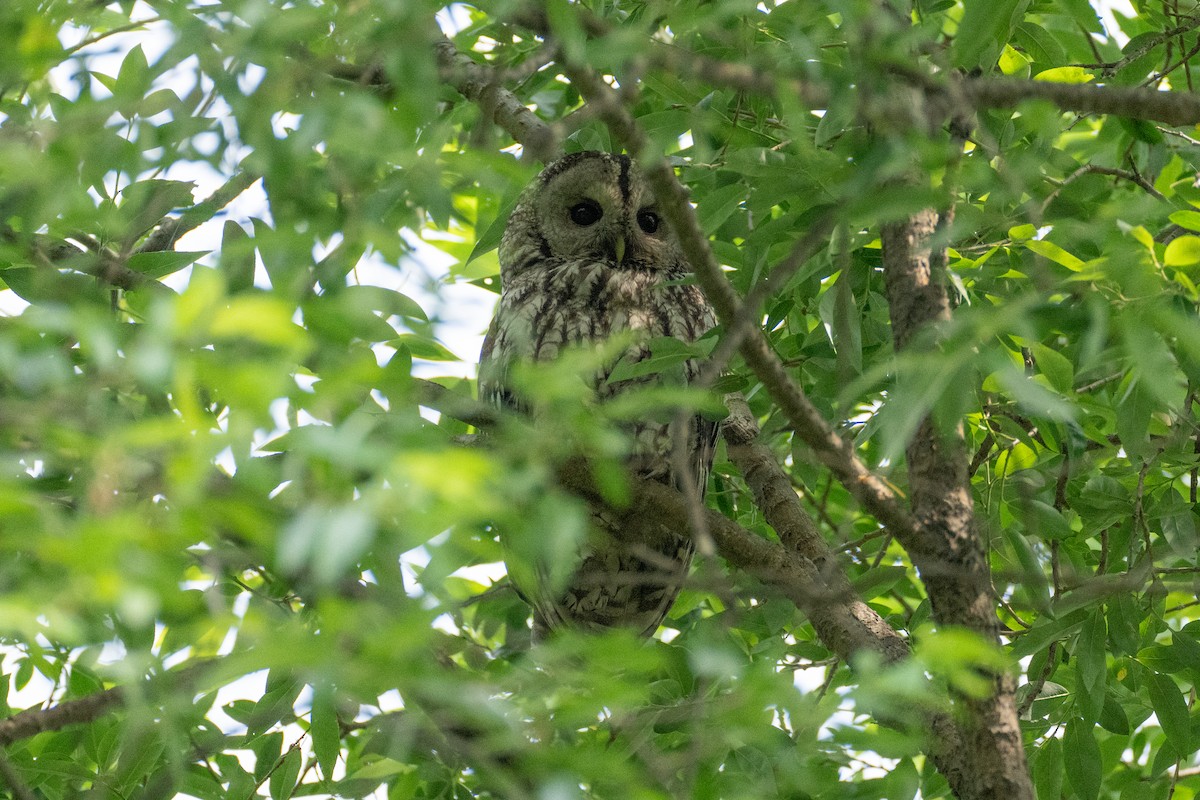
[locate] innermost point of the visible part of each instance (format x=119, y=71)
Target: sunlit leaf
x=1183, y=251
x=1065, y=75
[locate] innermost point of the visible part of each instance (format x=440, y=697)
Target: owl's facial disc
x=597, y=206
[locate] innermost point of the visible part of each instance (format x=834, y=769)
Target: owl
x=586, y=256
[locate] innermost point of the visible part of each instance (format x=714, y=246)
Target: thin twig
x=1094, y=169
x=1109, y=68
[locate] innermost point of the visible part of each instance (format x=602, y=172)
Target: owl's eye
x=586, y=213
x=648, y=221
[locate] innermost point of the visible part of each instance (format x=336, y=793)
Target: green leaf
x=1183, y=251
x=283, y=779
x=840, y=115
x=1113, y=717
x=160, y=264
x=1053, y=252
x=490, y=239
x=878, y=581
x=1047, y=769
x=237, y=257
x=1124, y=619
x=47, y=285
x=666, y=352
x=1040, y=44
x=1161, y=658
x=140, y=753
x=1013, y=62
x=107, y=81
x=1171, y=708
x=268, y=749
x=423, y=347
x=1081, y=756
x=1057, y=368
x=276, y=704
x=157, y=102
x=381, y=769
x=324, y=730
x=1185, y=219
x=144, y=204
x=719, y=205
x=1033, y=581
x=133, y=80
x=388, y=302
x=263, y=319
x=1040, y=635
x=1142, y=130
x=985, y=26
x=902, y=782
x=1187, y=645
x=1091, y=665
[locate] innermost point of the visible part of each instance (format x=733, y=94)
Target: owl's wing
x=493, y=371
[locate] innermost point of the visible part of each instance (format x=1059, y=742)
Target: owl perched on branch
x=586, y=256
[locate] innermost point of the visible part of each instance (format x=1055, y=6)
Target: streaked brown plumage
x=584, y=256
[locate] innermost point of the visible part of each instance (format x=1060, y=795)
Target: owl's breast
x=545, y=309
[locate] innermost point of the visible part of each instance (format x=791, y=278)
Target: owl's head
x=595, y=206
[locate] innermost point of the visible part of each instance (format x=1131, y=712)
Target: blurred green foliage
x=229, y=473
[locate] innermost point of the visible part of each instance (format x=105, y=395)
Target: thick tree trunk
x=948, y=550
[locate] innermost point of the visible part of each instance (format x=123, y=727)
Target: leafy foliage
x=226, y=497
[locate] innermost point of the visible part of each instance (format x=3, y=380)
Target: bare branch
x=477, y=83
x=848, y=628
x=1173, y=108
x=914, y=272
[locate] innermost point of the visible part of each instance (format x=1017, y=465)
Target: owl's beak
x=620, y=250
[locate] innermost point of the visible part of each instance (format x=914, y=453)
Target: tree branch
x=807, y=422
x=170, y=229
x=481, y=84
x=846, y=629
x=33, y=721
x=802, y=569
x=1137, y=102
x=1173, y=108
x=914, y=273
x=109, y=267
